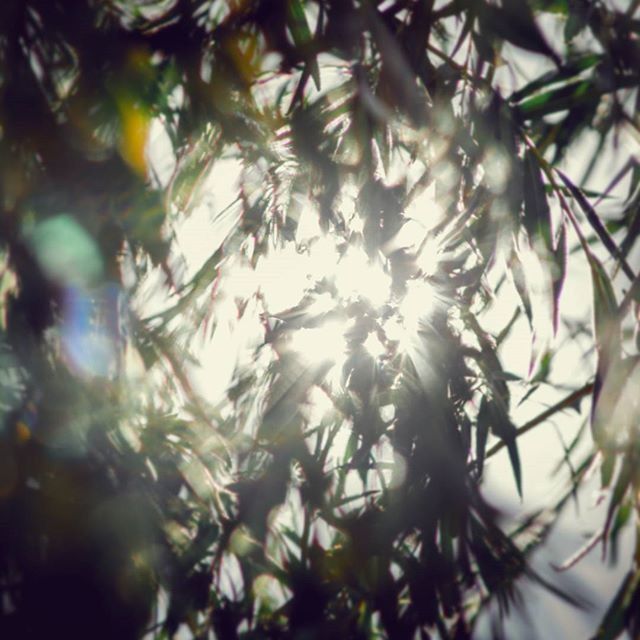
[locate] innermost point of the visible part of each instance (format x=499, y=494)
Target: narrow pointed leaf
x=515, y=23
x=507, y=432
x=598, y=226
x=559, y=273
x=568, y=70
x=607, y=337
x=537, y=214
x=482, y=432
x=297, y=22
x=568, y=96
x=614, y=621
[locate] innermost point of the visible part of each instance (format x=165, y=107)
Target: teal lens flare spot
x=66, y=252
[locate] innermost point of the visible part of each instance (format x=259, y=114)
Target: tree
x=336, y=489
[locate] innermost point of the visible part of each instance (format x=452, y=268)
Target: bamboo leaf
x=622, y=485
x=598, y=227
x=514, y=22
x=559, y=273
x=516, y=273
x=614, y=621
x=569, y=96
x=568, y=70
x=482, y=432
x=607, y=338
x=506, y=431
x=537, y=215
x=297, y=22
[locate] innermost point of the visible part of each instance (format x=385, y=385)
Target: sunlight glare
x=321, y=344
x=429, y=256
x=374, y=347
x=322, y=255
x=418, y=303
x=425, y=209
x=356, y=276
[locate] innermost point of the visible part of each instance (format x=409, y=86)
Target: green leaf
x=625, y=511
x=623, y=484
x=551, y=6
x=568, y=70
x=571, y=95
x=297, y=23
x=537, y=215
x=607, y=468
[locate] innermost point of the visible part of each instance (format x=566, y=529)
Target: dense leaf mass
x=408, y=161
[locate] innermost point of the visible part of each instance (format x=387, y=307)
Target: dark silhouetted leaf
x=569, y=96
x=515, y=23
x=597, y=226
x=502, y=427
x=568, y=70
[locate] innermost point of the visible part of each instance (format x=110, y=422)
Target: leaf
x=632, y=215
x=505, y=430
x=598, y=227
x=559, y=273
x=607, y=337
x=558, y=188
x=605, y=307
x=298, y=94
x=516, y=273
x=630, y=166
x=568, y=70
x=607, y=468
x=625, y=511
x=614, y=412
x=623, y=483
x=396, y=70
x=537, y=215
x=569, y=96
x=299, y=27
x=614, y=621
x=483, y=46
x=576, y=21
x=551, y=6
x=515, y=23
x=482, y=432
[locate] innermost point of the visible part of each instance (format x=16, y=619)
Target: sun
x=362, y=310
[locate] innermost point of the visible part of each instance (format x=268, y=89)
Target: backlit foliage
x=393, y=168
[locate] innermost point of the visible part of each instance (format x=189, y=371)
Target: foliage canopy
x=414, y=160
